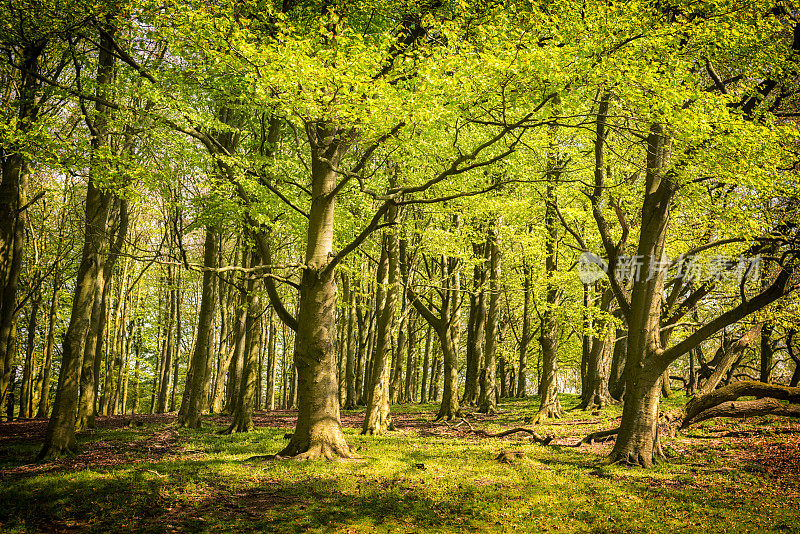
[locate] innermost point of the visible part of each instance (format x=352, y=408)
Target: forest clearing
x=430, y=265
x=740, y=476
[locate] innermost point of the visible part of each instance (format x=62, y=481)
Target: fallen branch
x=599, y=436
x=698, y=405
x=766, y=406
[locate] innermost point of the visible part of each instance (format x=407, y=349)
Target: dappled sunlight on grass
x=199, y=481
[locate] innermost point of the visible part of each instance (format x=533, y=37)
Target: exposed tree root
x=544, y=440
x=550, y=411
x=634, y=456
x=237, y=427
x=600, y=436
x=448, y=415
x=55, y=453
x=595, y=402
x=632, y=460
x=317, y=451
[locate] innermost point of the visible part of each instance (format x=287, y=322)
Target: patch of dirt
x=161, y=442
x=776, y=457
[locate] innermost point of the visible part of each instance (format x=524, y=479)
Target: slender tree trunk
x=475, y=329
x=224, y=352
x=169, y=344
x=352, y=339
x=246, y=390
x=376, y=419
x=176, y=352
x=423, y=394
x=273, y=353
x=26, y=388
x=191, y=408
x=766, y=354
x=137, y=364
x=44, y=398
x=400, y=349
x=488, y=400
x=549, y=405
x=237, y=359
x=97, y=346
x=411, y=361
x=525, y=338
x=436, y=377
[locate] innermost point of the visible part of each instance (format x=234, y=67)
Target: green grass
x=408, y=483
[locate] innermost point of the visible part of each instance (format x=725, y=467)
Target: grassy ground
x=737, y=476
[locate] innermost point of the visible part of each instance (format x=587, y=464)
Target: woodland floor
x=141, y=474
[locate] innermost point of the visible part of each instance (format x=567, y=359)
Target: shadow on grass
x=197, y=496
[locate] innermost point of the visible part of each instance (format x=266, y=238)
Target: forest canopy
x=228, y=207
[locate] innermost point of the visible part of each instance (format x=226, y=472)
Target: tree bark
x=423, y=393
x=476, y=322
x=26, y=388
x=191, y=410
x=549, y=404
x=14, y=177
x=44, y=397
x=60, y=435
x=352, y=339
x=245, y=391
x=318, y=431
x=525, y=338
x=487, y=403
x=408, y=393
x=376, y=419
x=595, y=394
x=637, y=442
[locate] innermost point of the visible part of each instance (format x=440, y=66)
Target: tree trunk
x=408, y=393
x=14, y=176
x=246, y=389
x=400, y=349
x=318, y=431
x=766, y=353
x=26, y=388
x=616, y=375
x=476, y=336
x=525, y=338
x=436, y=377
x=637, y=442
x=423, y=393
x=350, y=362
x=595, y=392
x=44, y=397
x=60, y=435
x=549, y=405
x=237, y=359
x=488, y=388
x=168, y=350
x=176, y=351
x=376, y=418
x=224, y=352
x=191, y=410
